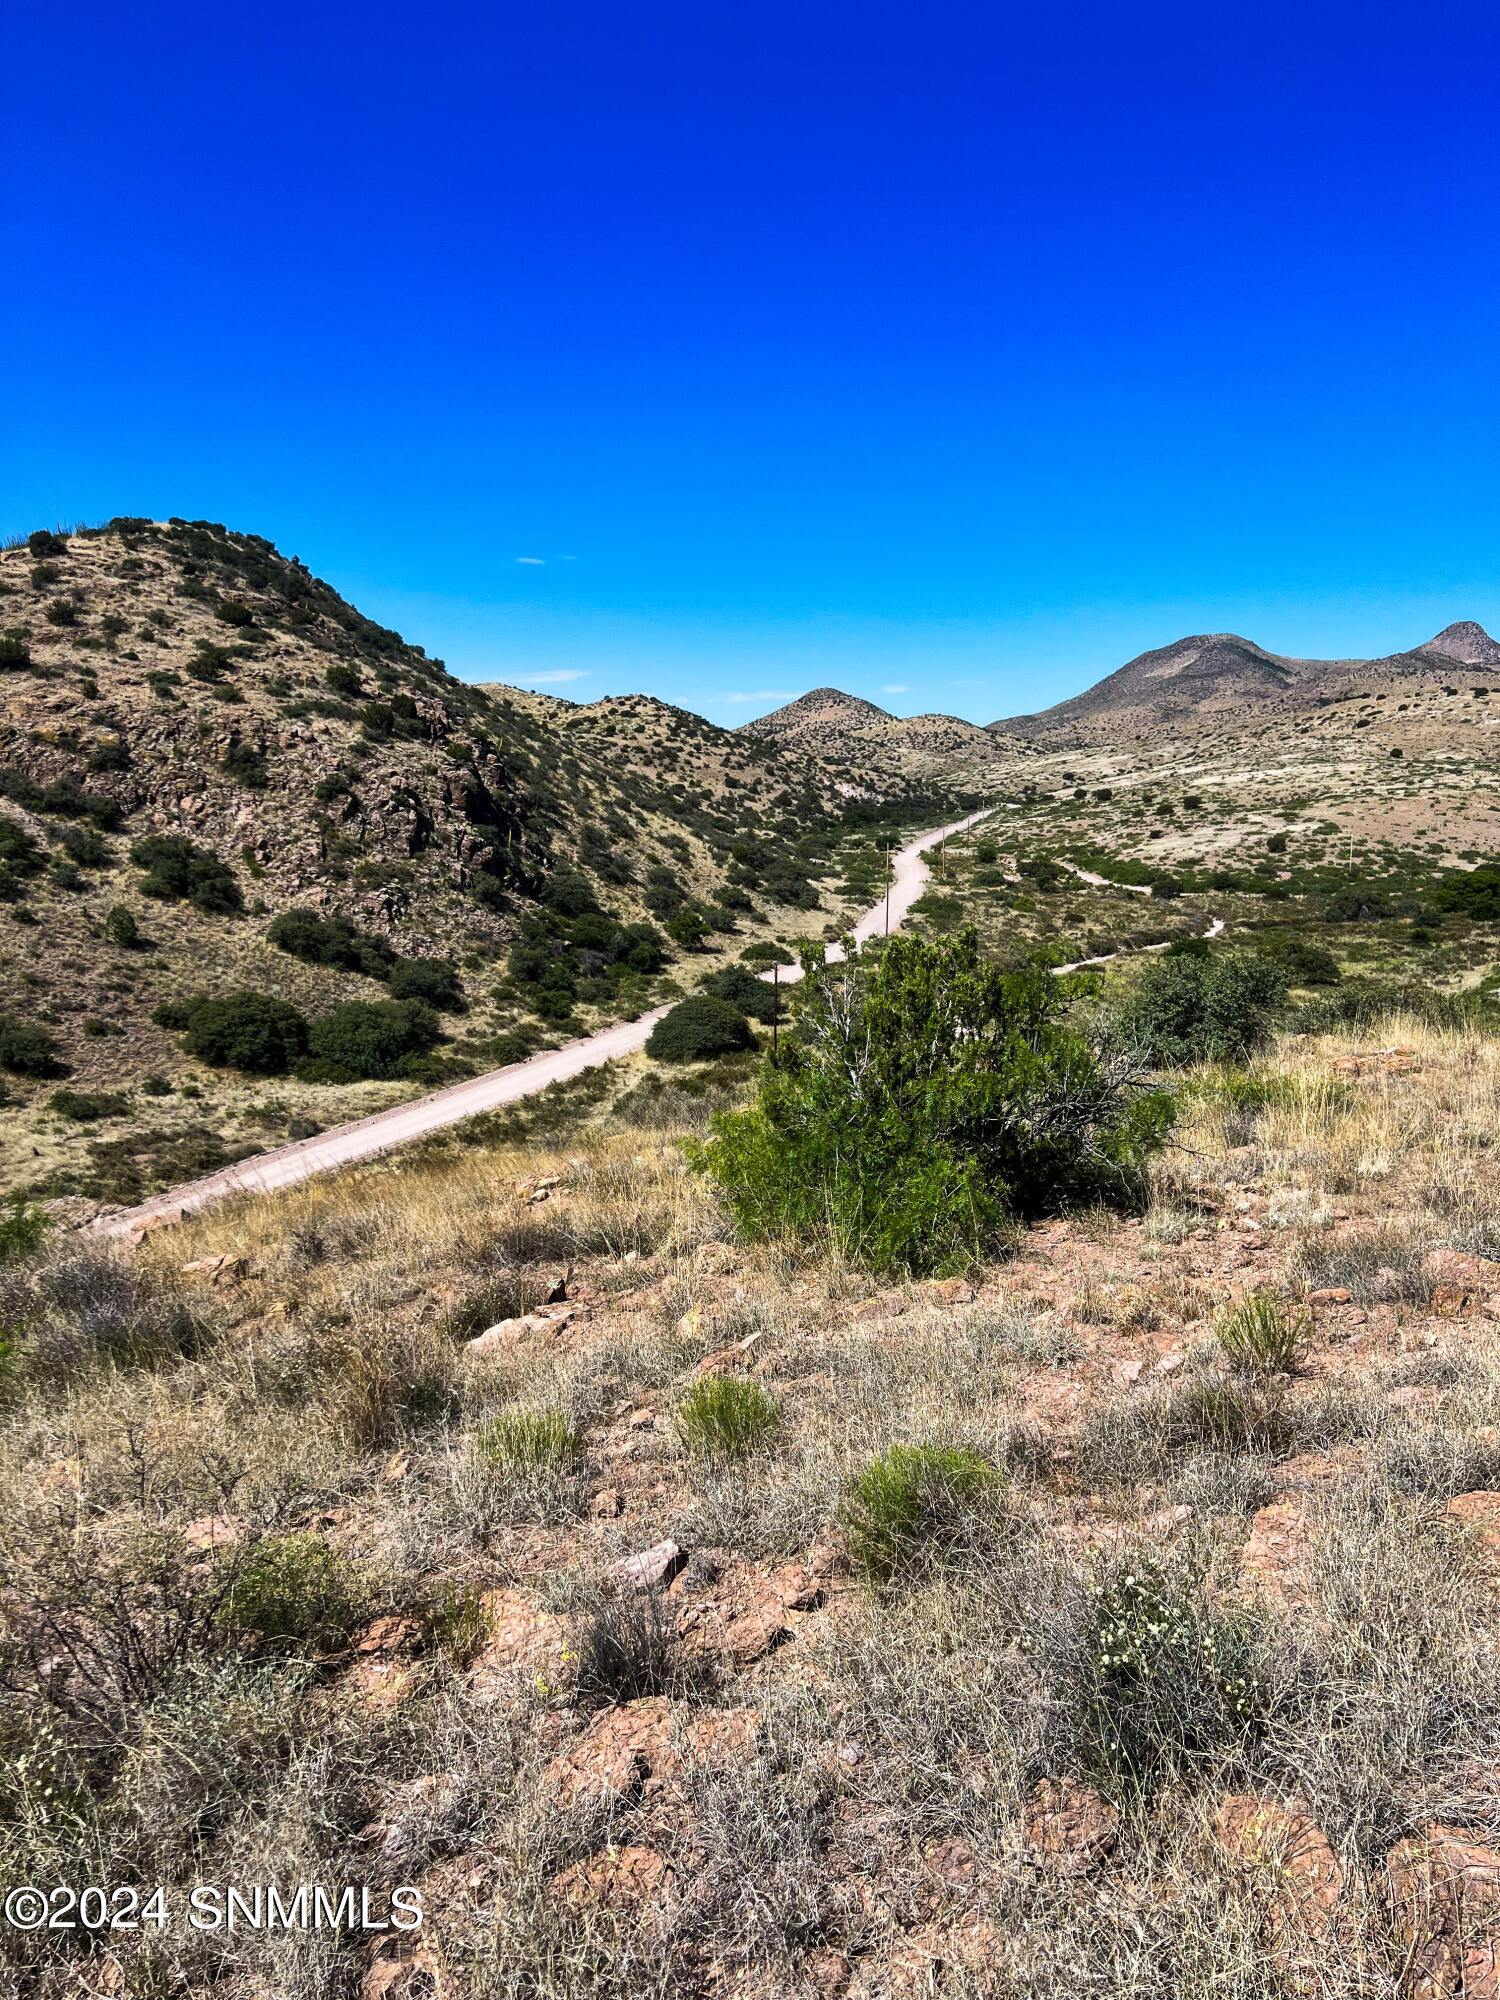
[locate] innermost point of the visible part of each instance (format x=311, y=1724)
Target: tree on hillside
x=925, y=1102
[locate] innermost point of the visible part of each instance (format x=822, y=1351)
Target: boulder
x=652, y=1569
x=1299, y=1878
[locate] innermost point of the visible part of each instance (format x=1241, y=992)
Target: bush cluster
x=336, y=941
x=574, y=940
x=179, y=871
x=926, y=1101
x=1189, y=1010
x=699, y=1031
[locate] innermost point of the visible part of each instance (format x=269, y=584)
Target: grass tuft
x=912, y=1504
x=724, y=1416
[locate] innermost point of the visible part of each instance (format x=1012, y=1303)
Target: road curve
x=383, y=1130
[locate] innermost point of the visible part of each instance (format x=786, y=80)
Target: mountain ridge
x=1215, y=677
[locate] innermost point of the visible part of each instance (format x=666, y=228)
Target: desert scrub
x=456, y=1621
x=525, y=1441
x=1160, y=1684
x=925, y=1101
x=916, y=1503
x=23, y=1229
x=1260, y=1336
x=1144, y=1436
x=724, y=1416
x=293, y=1593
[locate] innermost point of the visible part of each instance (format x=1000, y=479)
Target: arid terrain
x=671, y=1603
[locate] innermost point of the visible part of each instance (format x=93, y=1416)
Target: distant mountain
x=1213, y=677
x=830, y=724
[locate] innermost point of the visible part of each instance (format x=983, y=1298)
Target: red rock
x=390, y=1635
x=1126, y=1374
x=1480, y=1514
x=1443, y=1890
x=1274, y=1560
x=214, y=1531
x=1300, y=1877
x=620, y=1878
x=606, y=1504
x=611, y=1759
x=749, y=1612
x=950, y=1291
x=1331, y=1295
x=1069, y=1828
x=1169, y=1364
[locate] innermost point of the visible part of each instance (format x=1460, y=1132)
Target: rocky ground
x=1193, y=1692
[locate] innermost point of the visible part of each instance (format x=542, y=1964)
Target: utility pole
x=775, y=1008
x=887, y=888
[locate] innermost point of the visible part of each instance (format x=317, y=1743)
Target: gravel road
x=405, y=1122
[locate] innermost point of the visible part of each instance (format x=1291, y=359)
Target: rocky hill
x=831, y=725
x=1212, y=678
x=200, y=738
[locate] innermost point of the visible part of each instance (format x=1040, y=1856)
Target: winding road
x=405, y=1122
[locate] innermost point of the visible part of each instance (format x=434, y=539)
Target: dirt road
x=405, y=1122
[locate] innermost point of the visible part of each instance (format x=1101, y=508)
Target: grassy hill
x=182, y=684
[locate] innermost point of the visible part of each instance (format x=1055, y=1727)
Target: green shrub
x=178, y=870
x=1303, y=963
x=374, y=1038
x=1261, y=1337
x=247, y=766
x=121, y=928
x=699, y=1030
x=914, y=1503
x=23, y=1228
x=431, y=980
x=86, y=1106
x=61, y=611
x=331, y=941
x=925, y=1102
x=528, y=1441
x=254, y=1032
x=1471, y=893
x=1165, y=1684
x=46, y=542
x=739, y=988
x=294, y=1593
x=344, y=679
x=234, y=611
x=1190, y=1010
x=724, y=1416
x=25, y=1048
x=15, y=653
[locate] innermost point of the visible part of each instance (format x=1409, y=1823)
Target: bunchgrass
x=1261, y=1336
x=725, y=1416
x=912, y=1504
x=527, y=1441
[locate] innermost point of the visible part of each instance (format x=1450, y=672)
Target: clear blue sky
x=951, y=354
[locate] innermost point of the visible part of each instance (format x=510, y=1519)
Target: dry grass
x=325, y=1399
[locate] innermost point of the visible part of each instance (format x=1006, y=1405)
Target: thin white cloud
x=562, y=674
x=762, y=694
x=538, y=562
x=895, y=687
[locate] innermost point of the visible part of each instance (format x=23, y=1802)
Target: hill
x=1207, y=679
x=829, y=724
x=201, y=738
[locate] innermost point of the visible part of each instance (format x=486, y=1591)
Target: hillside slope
x=185, y=684
x=829, y=724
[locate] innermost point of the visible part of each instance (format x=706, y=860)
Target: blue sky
x=949, y=354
